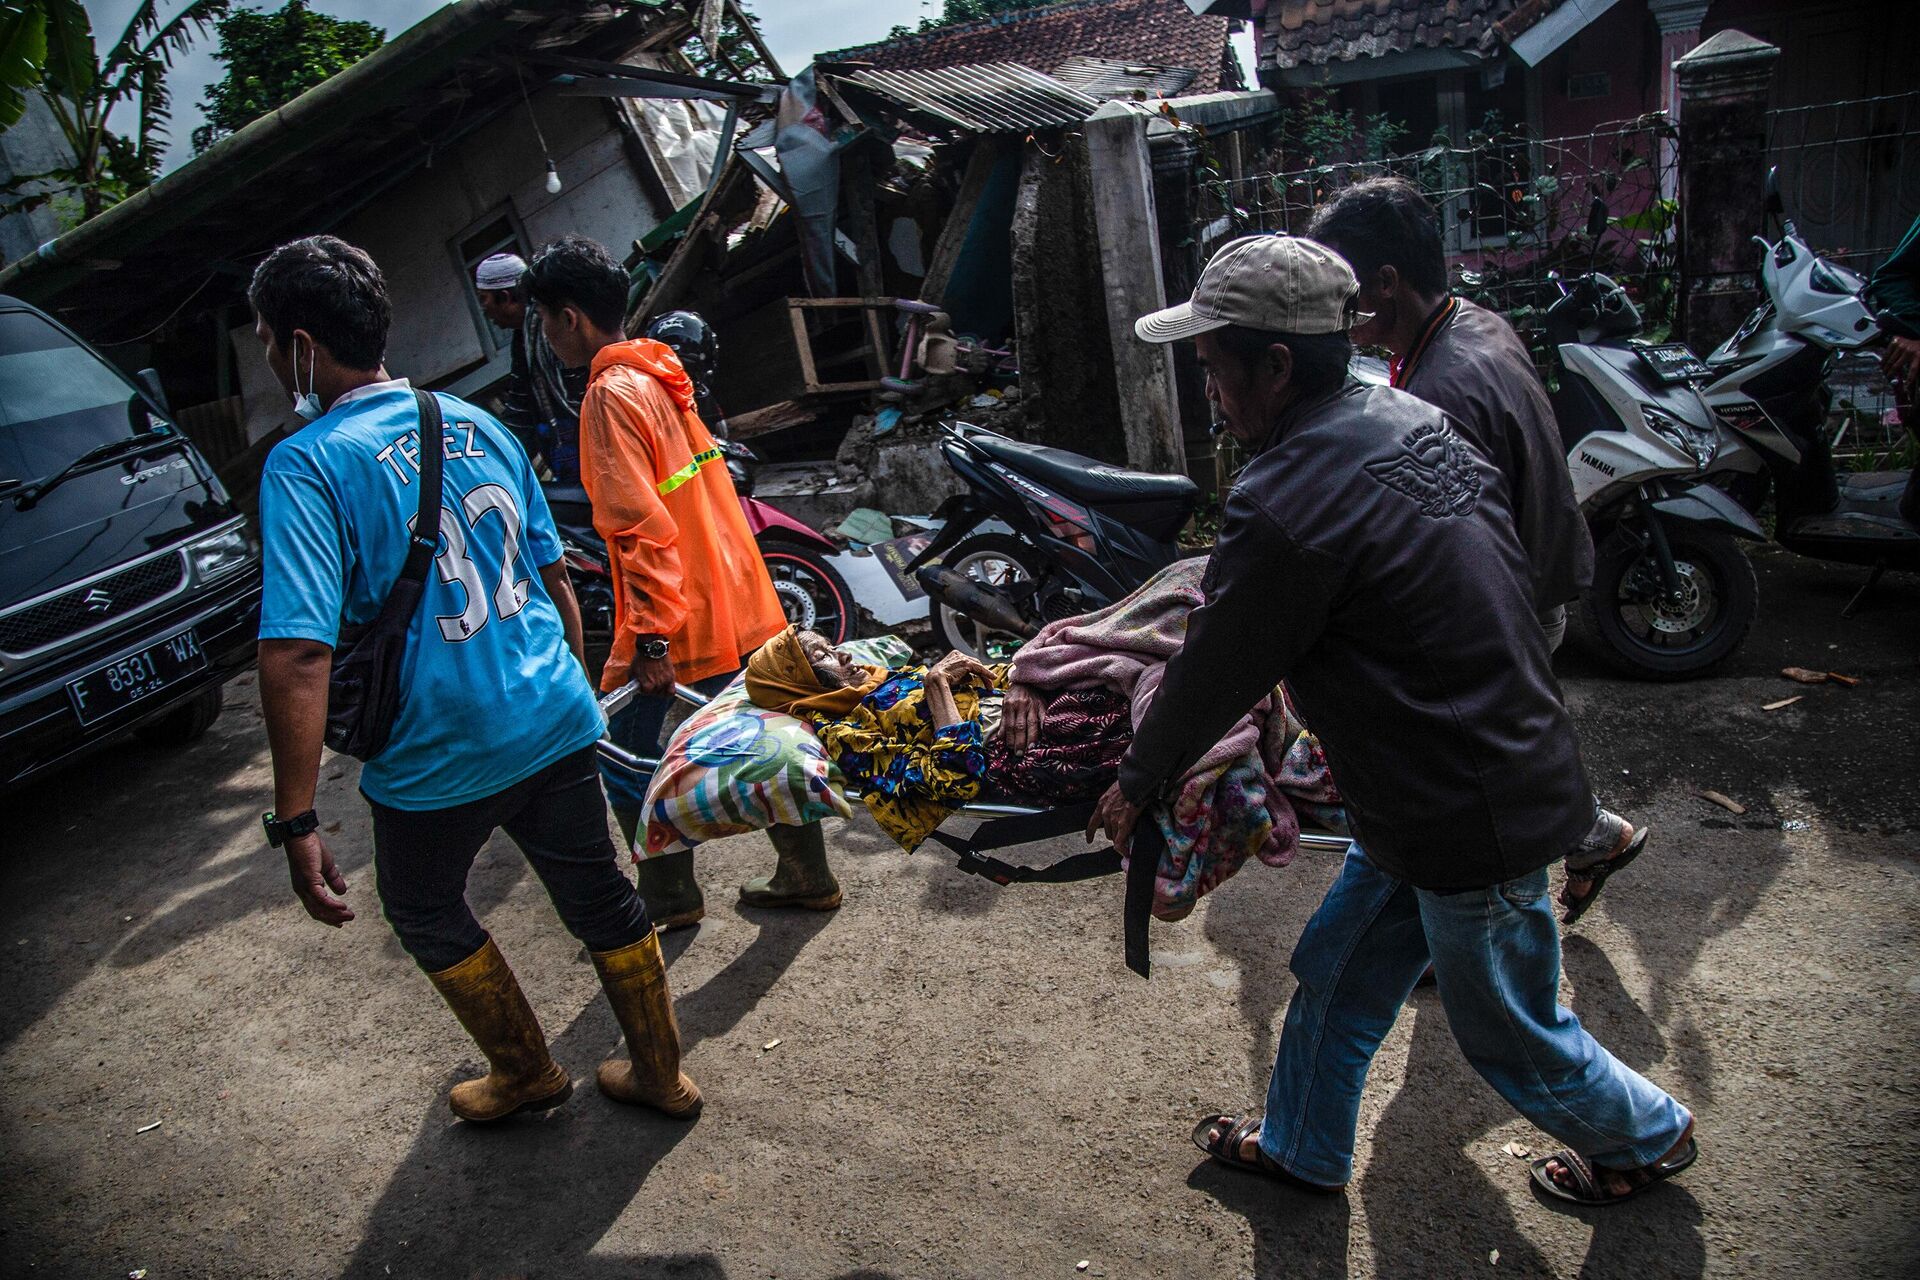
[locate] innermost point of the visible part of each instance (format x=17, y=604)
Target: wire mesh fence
x=1513, y=208
x=1849, y=175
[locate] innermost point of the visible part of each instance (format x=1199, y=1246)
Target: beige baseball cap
x=1282, y=284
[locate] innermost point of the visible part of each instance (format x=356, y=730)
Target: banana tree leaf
x=23, y=55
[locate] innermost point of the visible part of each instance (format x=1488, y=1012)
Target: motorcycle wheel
x=995, y=560
x=1644, y=635
x=812, y=593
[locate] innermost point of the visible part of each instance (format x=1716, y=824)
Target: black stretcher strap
x=1001, y=833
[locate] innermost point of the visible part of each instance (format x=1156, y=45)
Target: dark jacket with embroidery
x=1368, y=558
x=1477, y=371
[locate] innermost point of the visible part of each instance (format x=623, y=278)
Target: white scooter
x=1769, y=387
x=1670, y=455
x=1673, y=593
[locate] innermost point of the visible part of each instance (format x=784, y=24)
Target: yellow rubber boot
x=483, y=993
x=635, y=977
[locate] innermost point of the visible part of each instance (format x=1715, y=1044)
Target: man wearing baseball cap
x=1368, y=557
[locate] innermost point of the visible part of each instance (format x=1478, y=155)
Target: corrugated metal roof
x=997, y=97
x=1111, y=78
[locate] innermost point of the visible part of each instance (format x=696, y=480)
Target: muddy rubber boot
x=635, y=978
x=801, y=877
x=483, y=993
x=667, y=886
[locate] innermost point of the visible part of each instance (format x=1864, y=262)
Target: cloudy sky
x=795, y=31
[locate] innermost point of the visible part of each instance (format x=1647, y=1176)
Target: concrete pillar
x=1125, y=221
x=1678, y=22
x=1723, y=145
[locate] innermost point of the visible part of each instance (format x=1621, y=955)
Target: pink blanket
x=1238, y=800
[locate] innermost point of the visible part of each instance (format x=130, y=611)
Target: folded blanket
x=1238, y=799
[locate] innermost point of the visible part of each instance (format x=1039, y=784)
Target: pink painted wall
x=1625, y=45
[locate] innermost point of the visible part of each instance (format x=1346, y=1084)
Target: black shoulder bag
x=363, y=693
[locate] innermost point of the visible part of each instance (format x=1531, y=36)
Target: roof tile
x=1316, y=32
x=1162, y=32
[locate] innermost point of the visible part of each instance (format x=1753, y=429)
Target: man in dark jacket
x=1469, y=362
x=1368, y=557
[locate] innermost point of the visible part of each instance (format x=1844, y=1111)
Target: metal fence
x=1514, y=209
x=1850, y=178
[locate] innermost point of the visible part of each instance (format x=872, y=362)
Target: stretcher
x=1006, y=825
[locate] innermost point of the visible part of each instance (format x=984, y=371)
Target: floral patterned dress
x=911, y=771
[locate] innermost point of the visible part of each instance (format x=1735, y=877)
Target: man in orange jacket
x=692, y=599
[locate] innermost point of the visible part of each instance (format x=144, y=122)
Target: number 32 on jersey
x=455, y=562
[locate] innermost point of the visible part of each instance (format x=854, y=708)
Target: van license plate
x=108, y=689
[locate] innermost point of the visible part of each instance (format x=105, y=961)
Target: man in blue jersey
x=497, y=721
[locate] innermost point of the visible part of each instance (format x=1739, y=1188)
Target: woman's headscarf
x=780, y=678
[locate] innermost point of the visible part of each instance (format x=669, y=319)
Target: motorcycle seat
x=1082, y=477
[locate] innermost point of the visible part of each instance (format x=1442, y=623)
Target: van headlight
x=1698, y=443
x=220, y=554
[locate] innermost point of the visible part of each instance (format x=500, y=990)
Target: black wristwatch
x=652, y=650
x=279, y=832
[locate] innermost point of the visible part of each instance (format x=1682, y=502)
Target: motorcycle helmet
x=693, y=340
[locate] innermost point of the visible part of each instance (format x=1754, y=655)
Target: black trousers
x=558, y=817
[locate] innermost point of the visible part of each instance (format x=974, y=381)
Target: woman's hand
x=956, y=666
x=1020, y=716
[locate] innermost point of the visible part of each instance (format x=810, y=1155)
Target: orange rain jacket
x=684, y=563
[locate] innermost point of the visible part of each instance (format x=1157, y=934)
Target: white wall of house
x=414, y=229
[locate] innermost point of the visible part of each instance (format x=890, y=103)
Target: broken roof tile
x=1317, y=32
x=1164, y=33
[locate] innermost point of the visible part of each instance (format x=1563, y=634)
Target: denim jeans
x=558, y=817
x=636, y=728
x=1496, y=956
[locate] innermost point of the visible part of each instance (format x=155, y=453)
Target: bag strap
x=426, y=523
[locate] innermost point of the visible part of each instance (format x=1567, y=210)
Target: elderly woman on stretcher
x=1049, y=729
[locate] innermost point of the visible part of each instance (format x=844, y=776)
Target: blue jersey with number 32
x=490, y=693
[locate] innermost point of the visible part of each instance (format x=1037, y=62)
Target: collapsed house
x=877, y=246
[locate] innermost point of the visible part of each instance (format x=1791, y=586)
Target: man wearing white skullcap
x=542, y=400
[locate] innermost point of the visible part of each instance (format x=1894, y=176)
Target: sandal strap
x=1246, y=1127
x=1587, y=1181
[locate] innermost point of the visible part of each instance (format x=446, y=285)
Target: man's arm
x=560, y=591
x=293, y=695
x=1268, y=599
x=1895, y=288
x=619, y=422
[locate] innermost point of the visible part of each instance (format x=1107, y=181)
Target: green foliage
x=273, y=58
x=954, y=11
x=1313, y=131
x=23, y=56
x=83, y=88
x=739, y=57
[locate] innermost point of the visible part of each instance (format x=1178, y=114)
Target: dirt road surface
x=966, y=1081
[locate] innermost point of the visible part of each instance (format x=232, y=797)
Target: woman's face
x=833, y=671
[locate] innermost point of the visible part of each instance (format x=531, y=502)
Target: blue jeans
x=636, y=728
x=1496, y=956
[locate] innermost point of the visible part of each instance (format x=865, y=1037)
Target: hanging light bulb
x=553, y=179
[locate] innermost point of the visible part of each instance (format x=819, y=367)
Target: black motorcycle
x=1085, y=534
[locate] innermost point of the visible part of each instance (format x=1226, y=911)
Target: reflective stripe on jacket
x=684, y=563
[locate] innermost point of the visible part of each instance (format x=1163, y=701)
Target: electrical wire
x=123, y=342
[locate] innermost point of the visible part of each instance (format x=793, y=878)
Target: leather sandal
x=1631, y=843
x=1588, y=1189
x=1225, y=1146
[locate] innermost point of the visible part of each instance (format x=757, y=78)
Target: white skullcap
x=501, y=271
